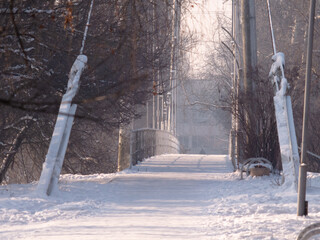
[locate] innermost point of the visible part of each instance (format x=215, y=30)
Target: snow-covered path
x=162, y=198
x=165, y=197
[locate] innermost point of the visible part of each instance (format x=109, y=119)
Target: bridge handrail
x=148, y=142
x=312, y=154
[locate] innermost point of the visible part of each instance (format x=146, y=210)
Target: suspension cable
x=271, y=29
x=86, y=29
x=272, y=37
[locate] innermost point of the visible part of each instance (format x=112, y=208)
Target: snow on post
x=278, y=65
x=285, y=123
x=60, y=137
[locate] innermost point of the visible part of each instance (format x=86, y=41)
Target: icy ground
x=165, y=197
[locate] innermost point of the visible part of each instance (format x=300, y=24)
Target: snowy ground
x=165, y=197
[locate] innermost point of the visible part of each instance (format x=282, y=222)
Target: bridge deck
x=165, y=198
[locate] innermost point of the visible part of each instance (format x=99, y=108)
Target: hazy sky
x=202, y=21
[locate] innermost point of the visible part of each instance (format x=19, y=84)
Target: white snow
x=28, y=10
x=278, y=65
x=165, y=197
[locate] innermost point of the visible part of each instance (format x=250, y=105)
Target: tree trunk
x=9, y=159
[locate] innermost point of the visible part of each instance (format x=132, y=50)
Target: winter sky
x=202, y=21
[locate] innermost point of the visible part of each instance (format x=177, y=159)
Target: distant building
x=201, y=130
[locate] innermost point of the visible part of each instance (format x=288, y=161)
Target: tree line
x=260, y=138
x=127, y=42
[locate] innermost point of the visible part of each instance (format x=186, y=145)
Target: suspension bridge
x=158, y=135
x=169, y=195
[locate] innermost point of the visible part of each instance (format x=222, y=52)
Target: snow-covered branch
x=25, y=118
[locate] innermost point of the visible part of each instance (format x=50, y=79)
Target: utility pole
x=238, y=79
x=232, y=149
x=175, y=32
x=249, y=45
x=249, y=42
x=302, y=204
x=176, y=57
x=234, y=152
x=171, y=69
x=154, y=75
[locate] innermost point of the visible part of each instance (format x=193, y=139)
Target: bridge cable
x=271, y=29
x=272, y=37
x=86, y=28
x=275, y=52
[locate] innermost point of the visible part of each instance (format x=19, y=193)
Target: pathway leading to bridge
x=165, y=197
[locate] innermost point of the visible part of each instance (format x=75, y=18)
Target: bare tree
x=39, y=41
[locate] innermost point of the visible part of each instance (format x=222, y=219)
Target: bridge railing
x=313, y=161
x=146, y=143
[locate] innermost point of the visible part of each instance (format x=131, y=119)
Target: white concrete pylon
x=60, y=137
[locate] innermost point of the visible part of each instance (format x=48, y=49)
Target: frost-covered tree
x=39, y=40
